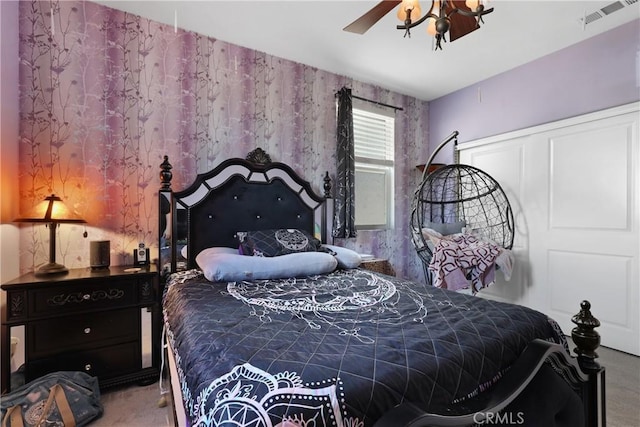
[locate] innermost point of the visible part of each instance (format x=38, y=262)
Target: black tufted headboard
x=242, y=195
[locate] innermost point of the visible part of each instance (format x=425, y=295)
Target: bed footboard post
x=587, y=340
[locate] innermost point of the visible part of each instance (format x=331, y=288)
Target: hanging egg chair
x=459, y=197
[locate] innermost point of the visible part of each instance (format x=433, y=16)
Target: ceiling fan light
x=443, y=17
x=472, y=4
x=431, y=27
x=413, y=6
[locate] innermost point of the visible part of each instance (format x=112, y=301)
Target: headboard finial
x=259, y=156
x=327, y=185
x=165, y=174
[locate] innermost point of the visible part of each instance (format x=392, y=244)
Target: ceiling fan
x=457, y=17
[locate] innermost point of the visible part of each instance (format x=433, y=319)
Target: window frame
x=382, y=161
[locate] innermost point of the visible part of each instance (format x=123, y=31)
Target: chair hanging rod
x=454, y=136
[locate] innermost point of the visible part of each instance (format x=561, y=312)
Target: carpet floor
x=135, y=406
x=138, y=406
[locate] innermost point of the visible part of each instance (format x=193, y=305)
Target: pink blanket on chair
x=459, y=255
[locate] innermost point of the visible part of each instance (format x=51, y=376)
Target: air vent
x=592, y=17
x=613, y=7
x=607, y=10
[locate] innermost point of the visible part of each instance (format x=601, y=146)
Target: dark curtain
x=344, y=202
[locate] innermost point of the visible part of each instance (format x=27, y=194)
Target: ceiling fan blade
x=461, y=25
x=366, y=21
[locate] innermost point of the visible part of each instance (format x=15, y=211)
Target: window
x=373, y=134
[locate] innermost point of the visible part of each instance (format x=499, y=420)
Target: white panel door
x=574, y=186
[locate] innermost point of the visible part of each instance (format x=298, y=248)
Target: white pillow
x=219, y=267
x=431, y=234
x=346, y=257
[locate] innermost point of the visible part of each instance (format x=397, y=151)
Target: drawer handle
x=87, y=330
x=86, y=296
x=87, y=367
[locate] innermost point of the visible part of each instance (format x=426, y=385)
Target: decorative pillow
x=447, y=228
x=432, y=237
x=276, y=242
x=346, y=257
x=219, y=267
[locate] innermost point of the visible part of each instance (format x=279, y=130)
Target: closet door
x=576, y=191
x=504, y=161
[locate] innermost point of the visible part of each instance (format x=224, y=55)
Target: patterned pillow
x=276, y=242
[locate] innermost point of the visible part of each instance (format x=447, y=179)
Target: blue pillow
x=220, y=267
x=220, y=249
x=346, y=257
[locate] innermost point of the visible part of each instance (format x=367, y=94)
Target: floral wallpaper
x=104, y=95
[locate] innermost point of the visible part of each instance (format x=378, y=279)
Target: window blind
x=373, y=137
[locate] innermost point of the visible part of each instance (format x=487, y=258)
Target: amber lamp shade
x=51, y=211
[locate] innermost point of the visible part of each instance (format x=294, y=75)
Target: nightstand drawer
x=104, y=363
x=83, y=296
x=47, y=337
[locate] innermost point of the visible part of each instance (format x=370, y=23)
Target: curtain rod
x=377, y=103
x=382, y=104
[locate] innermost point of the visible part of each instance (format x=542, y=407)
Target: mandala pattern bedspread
x=335, y=350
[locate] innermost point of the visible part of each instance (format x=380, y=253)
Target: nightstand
x=378, y=265
x=105, y=322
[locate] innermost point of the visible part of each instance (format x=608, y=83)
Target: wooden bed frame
x=235, y=192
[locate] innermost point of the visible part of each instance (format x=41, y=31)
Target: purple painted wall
x=592, y=75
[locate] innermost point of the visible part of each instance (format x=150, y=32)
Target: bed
x=292, y=332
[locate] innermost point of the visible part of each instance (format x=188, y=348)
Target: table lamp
x=51, y=211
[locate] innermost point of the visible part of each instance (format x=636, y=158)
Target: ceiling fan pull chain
x=407, y=24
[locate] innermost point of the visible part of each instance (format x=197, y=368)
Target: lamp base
x=51, y=268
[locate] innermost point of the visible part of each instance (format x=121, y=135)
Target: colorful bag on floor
x=69, y=399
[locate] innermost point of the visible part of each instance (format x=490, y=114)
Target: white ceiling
x=310, y=32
